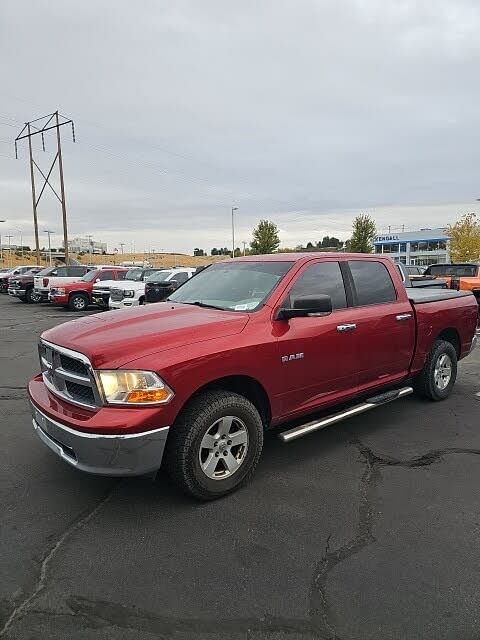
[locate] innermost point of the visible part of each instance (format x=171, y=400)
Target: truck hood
x=112, y=339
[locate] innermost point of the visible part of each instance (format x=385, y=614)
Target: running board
x=371, y=403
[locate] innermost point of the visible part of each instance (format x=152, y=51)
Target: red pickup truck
x=77, y=296
x=246, y=345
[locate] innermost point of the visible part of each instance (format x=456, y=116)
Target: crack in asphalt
x=320, y=611
x=39, y=585
x=320, y=624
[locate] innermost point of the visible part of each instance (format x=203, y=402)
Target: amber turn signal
x=148, y=395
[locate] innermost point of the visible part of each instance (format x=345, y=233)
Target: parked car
x=470, y=282
x=10, y=273
x=416, y=280
x=246, y=345
x=129, y=292
x=77, y=296
x=162, y=283
x=21, y=286
x=57, y=278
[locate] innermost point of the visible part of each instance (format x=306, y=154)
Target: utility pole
x=233, y=231
x=244, y=245
x=49, y=246
x=90, y=243
x=122, y=244
x=40, y=126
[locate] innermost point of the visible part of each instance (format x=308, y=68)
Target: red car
x=77, y=296
x=246, y=345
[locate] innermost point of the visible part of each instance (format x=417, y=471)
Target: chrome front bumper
x=133, y=454
x=17, y=292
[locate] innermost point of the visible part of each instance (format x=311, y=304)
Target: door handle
x=404, y=316
x=346, y=327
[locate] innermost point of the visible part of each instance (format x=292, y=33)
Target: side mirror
x=97, y=279
x=174, y=283
x=303, y=306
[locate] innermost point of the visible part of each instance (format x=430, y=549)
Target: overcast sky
x=305, y=112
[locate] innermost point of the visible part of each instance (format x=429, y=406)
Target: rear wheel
x=214, y=445
x=438, y=376
x=141, y=301
x=78, y=302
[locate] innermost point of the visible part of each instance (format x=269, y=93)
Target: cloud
x=301, y=112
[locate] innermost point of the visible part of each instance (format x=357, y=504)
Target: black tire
x=141, y=302
x=23, y=299
x=427, y=383
x=78, y=302
x=31, y=297
x=182, y=455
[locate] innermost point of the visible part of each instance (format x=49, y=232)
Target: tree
x=265, y=238
x=363, y=235
x=465, y=239
x=198, y=252
x=309, y=245
x=214, y=251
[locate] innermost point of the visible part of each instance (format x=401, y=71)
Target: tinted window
x=180, y=277
x=372, y=282
x=458, y=270
x=121, y=275
x=61, y=272
x=321, y=278
x=105, y=275
x=76, y=271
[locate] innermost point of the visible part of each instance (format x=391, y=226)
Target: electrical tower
x=36, y=127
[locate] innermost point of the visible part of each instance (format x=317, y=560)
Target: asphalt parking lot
x=367, y=530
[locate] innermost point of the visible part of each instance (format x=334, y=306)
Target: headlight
x=134, y=387
x=59, y=292
x=129, y=293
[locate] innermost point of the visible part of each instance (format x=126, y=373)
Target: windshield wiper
x=199, y=303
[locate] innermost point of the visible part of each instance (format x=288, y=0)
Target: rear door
x=317, y=354
x=385, y=324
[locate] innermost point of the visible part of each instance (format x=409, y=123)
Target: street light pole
x=233, y=231
x=244, y=245
x=49, y=246
x=1, y=248
x=9, y=250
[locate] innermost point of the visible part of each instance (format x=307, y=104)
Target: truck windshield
x=158, y=276
x=234, y=286
x=90, y=276
x=134, y=274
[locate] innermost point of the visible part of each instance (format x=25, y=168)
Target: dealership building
x=424, y=247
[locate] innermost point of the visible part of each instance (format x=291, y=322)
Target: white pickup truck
x=125, y=294
x=133, y=285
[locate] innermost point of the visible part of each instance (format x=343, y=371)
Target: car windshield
x=90, y=276
x=233, y=286
x=134, y=274
x=158, y=276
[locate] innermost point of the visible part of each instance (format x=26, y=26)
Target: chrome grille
x=69, y=375
x=116, y=295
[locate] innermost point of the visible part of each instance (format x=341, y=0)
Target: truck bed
x=423, y=295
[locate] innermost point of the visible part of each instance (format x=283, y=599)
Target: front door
x=317, y=354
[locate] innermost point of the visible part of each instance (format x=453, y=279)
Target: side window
x=120, y=275
x=105, y=275
x=180, y=277
x=372, y=281
x=76, y=271
x=321, y=278
x=61, y=272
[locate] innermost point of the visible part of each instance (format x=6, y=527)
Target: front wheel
x=32, y=297
x=214, y=445
x=438, y=376
x=78, y=302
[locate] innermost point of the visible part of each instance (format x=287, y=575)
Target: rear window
x=372, y=282
x=456, y=270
